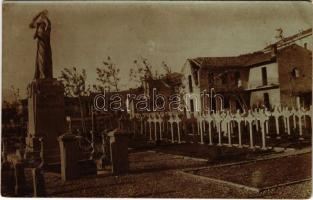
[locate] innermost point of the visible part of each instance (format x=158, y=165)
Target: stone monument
x=119, y=151
x=46, y=116
x=69, y=156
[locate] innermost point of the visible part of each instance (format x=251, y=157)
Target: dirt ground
x=155, y=175
x=264, y=173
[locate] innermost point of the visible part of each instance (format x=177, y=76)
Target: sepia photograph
x=157, y=99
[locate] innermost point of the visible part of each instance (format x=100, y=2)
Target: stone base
x=51, y=156
x=46, y=120
x=87, y=167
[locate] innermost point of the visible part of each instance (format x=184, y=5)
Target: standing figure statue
x=44, y=57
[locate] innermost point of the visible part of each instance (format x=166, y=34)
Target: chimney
x=274, y=50
x=305, y=45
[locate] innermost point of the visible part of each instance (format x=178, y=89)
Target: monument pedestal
x=46, y=120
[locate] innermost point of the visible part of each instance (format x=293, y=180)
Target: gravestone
x=119, y=151
x=69, y=157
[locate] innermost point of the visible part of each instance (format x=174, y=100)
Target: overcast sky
x=84, y=34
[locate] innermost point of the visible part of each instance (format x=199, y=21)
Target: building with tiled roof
x=281, y=76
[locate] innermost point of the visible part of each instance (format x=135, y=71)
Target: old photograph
x=157, y=99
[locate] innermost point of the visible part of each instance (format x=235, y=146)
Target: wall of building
x=288, y=59
x=257, y=98
x=195, y=94
x=233, y=86
x=231, y=83
x=255, y=75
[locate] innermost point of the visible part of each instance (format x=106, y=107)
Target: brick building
x=277, y=75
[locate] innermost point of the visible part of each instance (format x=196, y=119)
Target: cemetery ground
x=195, y=171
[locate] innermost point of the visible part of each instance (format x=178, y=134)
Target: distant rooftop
x=241, y=61
x=250, y=59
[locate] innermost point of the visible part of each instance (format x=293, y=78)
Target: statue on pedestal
x=42, y=25
x=46, y=113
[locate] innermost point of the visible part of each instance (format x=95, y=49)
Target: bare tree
x=166, y=68
x=108, y=76
x=141, y=71
x=137, y=74
x=16, y=95
x=75, y=86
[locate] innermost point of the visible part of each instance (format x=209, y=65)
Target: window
x=197, y=77
x=266, y=100
x=192, y=109
x=237, y=75
x=264, y=76
x=237, y=79
x=239, y=105
x=304, y=100
x=226, y=102
x=190, y=83
x=295, y=73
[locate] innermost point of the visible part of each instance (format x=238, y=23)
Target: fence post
x=218, y=120
x=250, y=119
x=141, y=126
x=287, y=115
x=262, y=118
x=155, y=130
x=160, y=128
x=150, y=131
x=209, y=119
x=300, y=127
x=238, y=120
x=276, y=115
x=210, y=134
x=145, y=127
x=178, y=130
x=266, y=129
x=263, y=135
x=294, y=119
x=299, y=115
x=201, y=131
x=172, y=132
x=228, y=119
